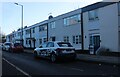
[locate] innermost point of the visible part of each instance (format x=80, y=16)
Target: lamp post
x=21, y=21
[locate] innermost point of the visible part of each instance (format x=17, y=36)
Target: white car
x=6, y=46
x=55, y=50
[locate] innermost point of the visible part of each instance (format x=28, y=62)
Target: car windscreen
x=62, y=44
x=42, y=46
x=17, y=44
x=8, y=44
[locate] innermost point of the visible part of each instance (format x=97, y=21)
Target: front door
x=94, y=42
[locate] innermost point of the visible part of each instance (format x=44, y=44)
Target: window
x=80, y=39
x=62, y=44
x=33, y=30
x=40, y=41
x=73, y=39
x=52, y=38
x=72, y=20
x=65, y=21
x=52, y=24
x=19, y=33
x=90, y=40
x=96, y=13
x=66, y=39
x=77, y=39
x=45, y=40
x=28, y=31
x=42, y=28
x=93, y=15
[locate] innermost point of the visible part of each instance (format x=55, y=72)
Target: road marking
x=17, y=68
x=74, y=68
x=77, y=69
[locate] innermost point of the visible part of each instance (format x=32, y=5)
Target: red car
x=17, y=47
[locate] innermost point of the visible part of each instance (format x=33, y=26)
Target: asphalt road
x=25, y=64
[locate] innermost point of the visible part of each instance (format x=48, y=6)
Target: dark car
x=17, y=47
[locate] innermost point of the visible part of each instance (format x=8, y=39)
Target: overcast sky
x=35, y=12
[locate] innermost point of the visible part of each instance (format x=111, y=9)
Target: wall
x=106, y=26
x=109, y=27
x=60, y=30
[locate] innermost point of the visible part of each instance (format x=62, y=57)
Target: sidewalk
x=92, y=58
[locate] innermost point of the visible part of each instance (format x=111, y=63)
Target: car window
x=17, y=44
x=7, y=44
x=42, y=46
x=50, y=44
x=62, y=44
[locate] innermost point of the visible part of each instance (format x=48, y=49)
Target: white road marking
x=74, y=68
x=77, y=69
x=17, y=68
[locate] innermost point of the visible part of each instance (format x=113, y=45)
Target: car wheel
x=3, y=49
x=53, y=57
x=35, y=55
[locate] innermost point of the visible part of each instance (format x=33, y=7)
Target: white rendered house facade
x=66, y=28
x=102, y=26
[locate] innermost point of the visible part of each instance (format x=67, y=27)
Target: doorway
x=94, y=43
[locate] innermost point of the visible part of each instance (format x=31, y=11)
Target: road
x=25, y=64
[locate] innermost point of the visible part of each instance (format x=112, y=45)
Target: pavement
x=93, y=58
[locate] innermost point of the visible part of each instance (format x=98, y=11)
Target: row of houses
x=94, y=26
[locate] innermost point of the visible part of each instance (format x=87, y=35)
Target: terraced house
x=101, y=23
x=92, y=27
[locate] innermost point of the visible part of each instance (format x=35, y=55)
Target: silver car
x=6, y=46
x=56, y=50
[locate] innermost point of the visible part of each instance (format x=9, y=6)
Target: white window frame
x=77, y=39
x=52, y=24
x=71, y=20
x=40, y=41
x=93, y=15
x=66, y=38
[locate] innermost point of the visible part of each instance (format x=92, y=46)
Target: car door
x=42, y=50
x=49, y=50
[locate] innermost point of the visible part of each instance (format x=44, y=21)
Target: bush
x=106, y=52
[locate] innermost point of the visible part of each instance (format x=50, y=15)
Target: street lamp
x=21, y=21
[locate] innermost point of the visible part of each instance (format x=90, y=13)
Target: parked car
x=6, y=46
x=55, y=50
x=12, y=47
x=17, y=47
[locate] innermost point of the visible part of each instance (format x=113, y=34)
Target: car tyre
x=53, y=58
x=35, y=55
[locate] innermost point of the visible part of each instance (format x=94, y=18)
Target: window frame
x=77, y=39
x=52, y=25
x=71, y=20
x=93, y=15
x=66, y=38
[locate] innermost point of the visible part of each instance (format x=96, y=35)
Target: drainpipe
x=47, y=31
x=30, y=37
x=82, y=32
